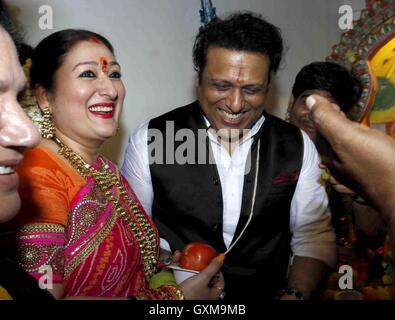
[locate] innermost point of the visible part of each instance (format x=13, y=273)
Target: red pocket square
x=286, y=178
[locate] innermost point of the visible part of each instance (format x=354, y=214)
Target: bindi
x=104, y=64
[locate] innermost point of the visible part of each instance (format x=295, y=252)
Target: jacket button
x=215, y=181
x=215, y=226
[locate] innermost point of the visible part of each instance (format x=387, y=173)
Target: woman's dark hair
x=242, y=32
x=340, y=83
x=50, y=53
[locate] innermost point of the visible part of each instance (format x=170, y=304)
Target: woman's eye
x=116, y=75
x=87, y=74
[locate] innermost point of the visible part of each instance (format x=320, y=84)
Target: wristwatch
x=290, y=291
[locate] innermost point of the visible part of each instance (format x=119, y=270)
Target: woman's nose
x=108, y=88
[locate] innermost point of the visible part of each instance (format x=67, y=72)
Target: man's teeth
x=6, y=170
x=232, y=116
x=101, y=109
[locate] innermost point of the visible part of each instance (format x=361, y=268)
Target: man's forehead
x=11, y=72
x=238, y=56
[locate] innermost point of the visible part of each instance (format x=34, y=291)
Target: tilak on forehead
x=240, y=76
x=104, y=64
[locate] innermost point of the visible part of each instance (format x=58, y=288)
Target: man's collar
x=252, y=132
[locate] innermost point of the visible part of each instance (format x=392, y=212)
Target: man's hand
x=364, y=156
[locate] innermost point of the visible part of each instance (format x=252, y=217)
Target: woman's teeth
x=6, y=170
x=101, y=109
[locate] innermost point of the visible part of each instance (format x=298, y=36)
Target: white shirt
x=310, y=221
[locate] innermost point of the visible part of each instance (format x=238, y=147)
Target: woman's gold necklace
x=106, y=179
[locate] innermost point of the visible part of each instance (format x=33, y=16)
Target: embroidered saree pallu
x=108, y=246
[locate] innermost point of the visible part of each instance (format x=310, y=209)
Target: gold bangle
x=177, y=292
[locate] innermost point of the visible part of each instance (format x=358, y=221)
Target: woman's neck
x=87, y=151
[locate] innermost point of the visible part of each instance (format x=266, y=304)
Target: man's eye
x=251, y=90
x=87, y=74
x=116, y=75
x=221, y=87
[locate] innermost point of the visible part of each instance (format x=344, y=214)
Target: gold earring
x=47, y=127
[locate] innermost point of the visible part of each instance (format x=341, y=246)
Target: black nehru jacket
x=187, y=204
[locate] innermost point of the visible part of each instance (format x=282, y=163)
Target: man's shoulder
x=281, y=125
x=177, y=113
x=188, y=116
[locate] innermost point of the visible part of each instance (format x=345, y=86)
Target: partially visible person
x=361, y=232
x=17, y=133
x=327, y=79
x=341, y=87
x=79, y=217
x=258, y=198
x=360, y=157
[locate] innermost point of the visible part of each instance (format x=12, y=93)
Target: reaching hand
x=209, y=284
x=336, y=184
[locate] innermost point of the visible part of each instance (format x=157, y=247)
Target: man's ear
x=197, y=86
x=197, y=80
x=43, y=98
x=291, y=102
x=290, y=105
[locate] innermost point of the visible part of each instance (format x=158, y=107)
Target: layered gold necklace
x=106, y=180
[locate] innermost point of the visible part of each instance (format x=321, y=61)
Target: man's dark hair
x=241, y=32
x=14, y=30
x=340, y=83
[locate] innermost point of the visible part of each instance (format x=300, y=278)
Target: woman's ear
x=43, y=98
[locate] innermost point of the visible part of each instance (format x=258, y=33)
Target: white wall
x=153, y=41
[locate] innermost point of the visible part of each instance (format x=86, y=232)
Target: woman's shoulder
x=42, y=161
x=47, y=186
x=40, y=156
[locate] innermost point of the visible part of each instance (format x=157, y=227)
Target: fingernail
x=220, y=257
x=310, y=102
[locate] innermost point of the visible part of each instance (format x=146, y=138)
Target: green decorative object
x=161, y=278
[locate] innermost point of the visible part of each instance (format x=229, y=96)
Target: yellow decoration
x=383, y=66
x=4, y=295
x=387, y=280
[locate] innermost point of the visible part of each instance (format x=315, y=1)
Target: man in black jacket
x=224, y=172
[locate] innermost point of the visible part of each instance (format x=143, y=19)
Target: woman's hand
x=209, y=284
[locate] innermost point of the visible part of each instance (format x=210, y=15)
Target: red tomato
x=197, y=256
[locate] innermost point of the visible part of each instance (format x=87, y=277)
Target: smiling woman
x=79, y=218
x=63, y=206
